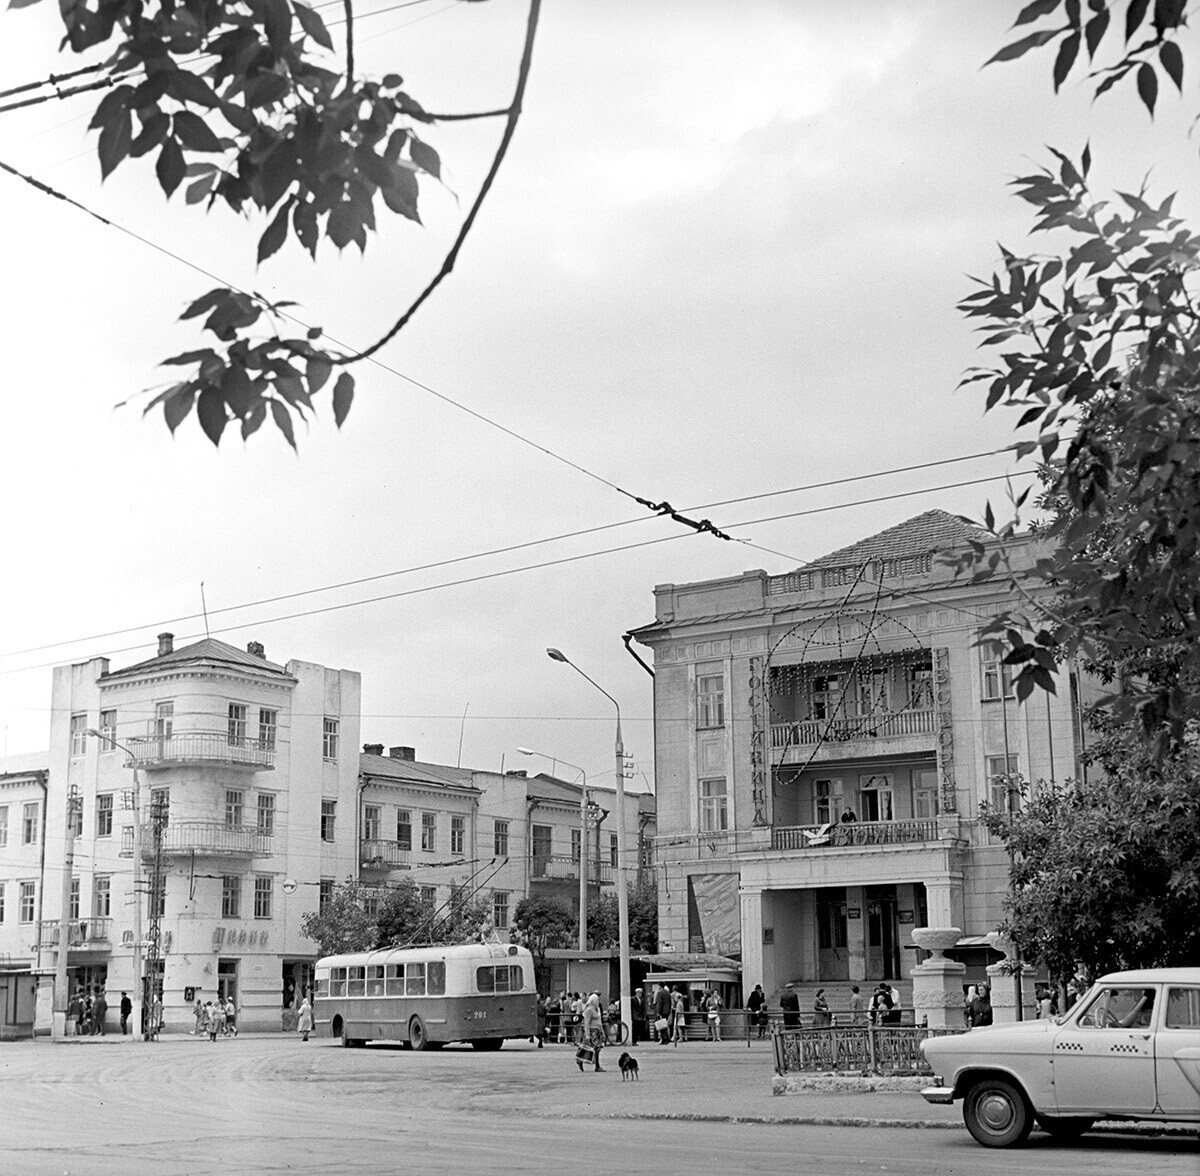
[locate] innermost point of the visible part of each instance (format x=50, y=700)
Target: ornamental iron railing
x=854, y=1049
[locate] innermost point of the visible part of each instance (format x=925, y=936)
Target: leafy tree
x=235, y=97
x=541, y=924
x=406, y=918
x=1106, y=874
x=603, y=923
x=342, y=925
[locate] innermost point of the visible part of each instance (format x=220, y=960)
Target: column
x=751, y=902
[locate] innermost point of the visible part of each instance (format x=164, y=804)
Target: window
x=499, y=909
x=237, y=724
x=28, y=903
x=428, y=896
x=370, y=903
x=164, y=719
x=403, y=829
x=268, y=725
x=328, y=813
x=614, y=857
x=104, y=814
x=827, y=801
x=160, y=804
x=714, y=806
x=540, y=846
x=265, y=815
x=231, y=896
x=29, y=823
x=73, y=905
x=1183, y=1006
x=1004, y=786
x=329, y=739
x=414, y=980
x=575, y=840
x=876, y=798
x=920, y=688
x=79, y=734
x=1, y=902
x=458, y=834
x=325, y=894
x=1120, y=1008
x=3, y=825
x=429, y=831
x=710, y=696
x=108, y=730
x=235, y=800
x=371, y=822
x=500, y=978
x=995, y=673
x=262, y=896
x=925, y=793
x=102, y=896
x=873, y=694
x=826, y=696
x=500, y=839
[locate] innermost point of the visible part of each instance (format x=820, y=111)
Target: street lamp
x=622, y=890
x=139, y=982
x=583, y=842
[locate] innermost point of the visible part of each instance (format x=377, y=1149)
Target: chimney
x=166, y=643
x=372, y=749
x=256, y=648
x=403, y=753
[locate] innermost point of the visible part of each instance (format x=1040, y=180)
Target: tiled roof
x=210, y=649
x=935, y=530
x=413, y=771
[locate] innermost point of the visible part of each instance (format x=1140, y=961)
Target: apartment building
x=824, y=740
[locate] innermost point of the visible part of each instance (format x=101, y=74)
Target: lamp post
x=139, y=982
x=58, y=1022
x=622, y=890
x=583, y=842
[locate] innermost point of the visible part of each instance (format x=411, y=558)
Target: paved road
x=260, y=1106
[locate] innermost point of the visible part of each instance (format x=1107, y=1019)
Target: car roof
x=1154, y=976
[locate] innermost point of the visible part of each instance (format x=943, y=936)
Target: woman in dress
x=822, y=1017
x=304, y=1022
x=593, y=1030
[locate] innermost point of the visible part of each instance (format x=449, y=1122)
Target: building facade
x=823, y=743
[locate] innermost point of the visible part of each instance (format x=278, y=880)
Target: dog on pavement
x=629, y=1067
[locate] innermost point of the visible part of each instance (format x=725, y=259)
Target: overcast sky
x=721, y=260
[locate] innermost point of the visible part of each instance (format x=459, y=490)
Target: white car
x=1129, y=1049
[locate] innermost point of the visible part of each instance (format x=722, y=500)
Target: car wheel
x=1064, y=1128
x=997, y=1114
x=417, y=1037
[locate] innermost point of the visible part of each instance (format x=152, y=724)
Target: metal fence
x=855, y=1049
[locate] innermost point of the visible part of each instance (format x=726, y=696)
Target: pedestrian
x=219, y=1015
x=231, y=1017
x=543, y=1012
x=822, y=1017
x=755, y=1004
x=857, y=1006
x=210, y=1020
x=637, y=1012
x=662, y=1013
x=712, y=1009
x=155, y=1022
x=593, y=1031
x=99, y=1012
x=564, y=1017
x=304, y=1023
x=89, y=1020
x=789, y=1003
x=126, y=1012
x=881, y=1004
x=678, y=1016
x=75, y=1012
x=981, y=1008
x=577, y=1003
x=198, y=1014
x=969, y=999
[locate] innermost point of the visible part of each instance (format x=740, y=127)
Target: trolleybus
x=428, y=996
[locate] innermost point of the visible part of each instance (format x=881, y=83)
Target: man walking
x=99, y=1012
x=755, y=1004
x=126, y=1013
x=789, y=1002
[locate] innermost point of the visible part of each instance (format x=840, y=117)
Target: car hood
x=1018, y=1034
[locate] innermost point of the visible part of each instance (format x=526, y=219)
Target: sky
x=721, y=260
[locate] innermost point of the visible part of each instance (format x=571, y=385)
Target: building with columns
x=824, y=740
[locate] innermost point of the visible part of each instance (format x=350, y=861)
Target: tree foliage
x=405, y=917
x=1106, y=874
x=342, y=925
x=235, y=101
x=541, y=924
x=603, y=924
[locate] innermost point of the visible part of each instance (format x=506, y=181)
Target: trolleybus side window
x=358, y=980
x=415, y=980
x=322, y=988
x=395, y=979
x=437, y=977
x=375, y=980
x=504, y=978
x=337, y=982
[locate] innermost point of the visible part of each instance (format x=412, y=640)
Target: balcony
x=189, y=748
x=209, y=838
x=796, y=742
x=81, y=933
x=383, y=855
x=562, y=867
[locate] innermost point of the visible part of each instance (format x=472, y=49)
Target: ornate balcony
x=375, y=854
x=188, y=748
x=81, y=933
x=210, y=838
x=561, y=867
x=792, y=741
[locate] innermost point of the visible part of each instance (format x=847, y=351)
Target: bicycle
x=616, y=1032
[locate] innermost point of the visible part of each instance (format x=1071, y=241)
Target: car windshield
x=1119, y=1008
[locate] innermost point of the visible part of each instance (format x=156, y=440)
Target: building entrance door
x=833, y=958
x=883, y=934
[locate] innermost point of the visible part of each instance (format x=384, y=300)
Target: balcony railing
x=215, y=838
x=382, y=855
x=808, y=732
x=200, y=747
x=80, y=933
x=556, y=867
x=855, y=833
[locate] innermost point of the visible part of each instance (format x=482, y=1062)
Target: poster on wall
x=714, y=914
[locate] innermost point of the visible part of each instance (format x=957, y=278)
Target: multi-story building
x=241, y=775
x=823, y=743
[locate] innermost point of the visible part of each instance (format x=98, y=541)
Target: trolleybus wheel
x=487, y=1043
x=417, y=1036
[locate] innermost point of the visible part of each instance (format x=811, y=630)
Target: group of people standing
x=661, y=1016
x=215, y=1018
x=88, y=1010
